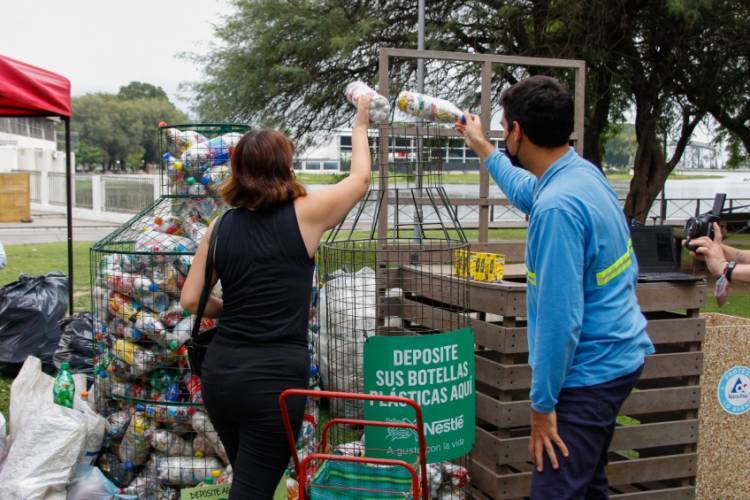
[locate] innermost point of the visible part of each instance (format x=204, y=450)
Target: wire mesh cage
x=387, y=270
x=159, y=439
x=196, y=156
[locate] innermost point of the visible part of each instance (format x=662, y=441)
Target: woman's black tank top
x=266, y=276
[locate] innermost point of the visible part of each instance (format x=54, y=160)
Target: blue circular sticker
x=734, y=390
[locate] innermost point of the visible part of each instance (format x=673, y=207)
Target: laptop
x=656, y=251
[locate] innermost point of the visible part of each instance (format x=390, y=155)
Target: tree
x=123, y=127
x=141, y=90
x=89, y=155
x=284, y=64
x=619, y=145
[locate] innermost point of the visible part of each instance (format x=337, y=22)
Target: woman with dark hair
x=265, y=258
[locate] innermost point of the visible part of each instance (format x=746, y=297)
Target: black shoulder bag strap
x=207, y=286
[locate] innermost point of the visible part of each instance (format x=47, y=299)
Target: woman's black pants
x=241, y=384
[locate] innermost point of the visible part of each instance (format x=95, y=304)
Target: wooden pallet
x=654, y=457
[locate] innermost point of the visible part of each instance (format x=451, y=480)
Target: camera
x=703, y=225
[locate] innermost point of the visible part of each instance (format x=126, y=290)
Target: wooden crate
x=653, y=452
x=15, y=196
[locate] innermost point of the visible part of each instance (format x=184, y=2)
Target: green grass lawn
x=42, y=258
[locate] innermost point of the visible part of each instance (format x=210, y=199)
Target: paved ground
x=49, y=227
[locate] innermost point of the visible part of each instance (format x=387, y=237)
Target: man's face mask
x=513, y=158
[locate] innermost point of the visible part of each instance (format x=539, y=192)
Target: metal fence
x=129, y=194
x=84, y=191
x=56, y=188
x=35, y=184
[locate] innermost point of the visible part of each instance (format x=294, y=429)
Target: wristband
x=729, y=269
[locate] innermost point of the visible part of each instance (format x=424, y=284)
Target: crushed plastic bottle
x=202, y=447
x=117, y=424
x=179, y=141
x=380, y=108
x=121, y=473
x=134, y=447
x=292, y=489
x=130, y=311
x=173, y=315
x=193, y=386
x=139, y=359
x=167, y=276
x=203, y=426
x=158, y=242
x=428, y=107
x=64, y=387
x=181, y=471
x=169, y=414
x=168, y=224
x=169, y=443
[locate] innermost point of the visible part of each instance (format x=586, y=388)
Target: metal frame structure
x=487, y=60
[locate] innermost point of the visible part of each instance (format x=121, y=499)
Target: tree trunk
x=650, y=172
x=600, y=100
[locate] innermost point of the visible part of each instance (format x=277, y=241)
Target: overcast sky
x=102, y=45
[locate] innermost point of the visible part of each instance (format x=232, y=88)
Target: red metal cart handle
x=363, y=460
x=292, y=439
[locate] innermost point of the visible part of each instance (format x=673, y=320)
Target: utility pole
x=420, y=89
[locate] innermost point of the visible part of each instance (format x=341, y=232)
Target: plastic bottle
x=193, y=386
x=155, y=241
x=135, y=446
x=180, y=334
x=167, y=275
x=169, y=443
x=169, y=414
x=169, y=224
x=138, y=359
x=64, y=387
x=195, y=229
x=380, y=108
x=181, y=471
x=157, y=302
x=202, y=447
x=292, y=489
x=428, y=107
x=203, y=427
x=173, y=315
x=138, y=287
x=178, y=141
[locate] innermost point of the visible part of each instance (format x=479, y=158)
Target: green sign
x=211, y=492
x=436, y=371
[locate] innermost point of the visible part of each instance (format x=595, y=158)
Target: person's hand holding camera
x=710, y=251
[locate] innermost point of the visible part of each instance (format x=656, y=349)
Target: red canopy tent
x=26, y=90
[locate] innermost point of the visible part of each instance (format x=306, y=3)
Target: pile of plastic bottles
x=158, y=437
x=307, y=440
x=196, y=165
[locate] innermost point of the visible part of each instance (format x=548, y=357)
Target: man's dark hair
x=543, y=107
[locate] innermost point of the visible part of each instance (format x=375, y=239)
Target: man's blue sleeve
x=516, y=183
x=558, y=247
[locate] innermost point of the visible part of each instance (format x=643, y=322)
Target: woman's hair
x=262, y=176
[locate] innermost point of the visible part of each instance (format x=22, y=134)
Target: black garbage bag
x=29, y=311
x=77, y=343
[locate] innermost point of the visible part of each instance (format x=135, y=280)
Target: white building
x=332, y=153
x=30, y=144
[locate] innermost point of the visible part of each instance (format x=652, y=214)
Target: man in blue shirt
x=587, y=338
